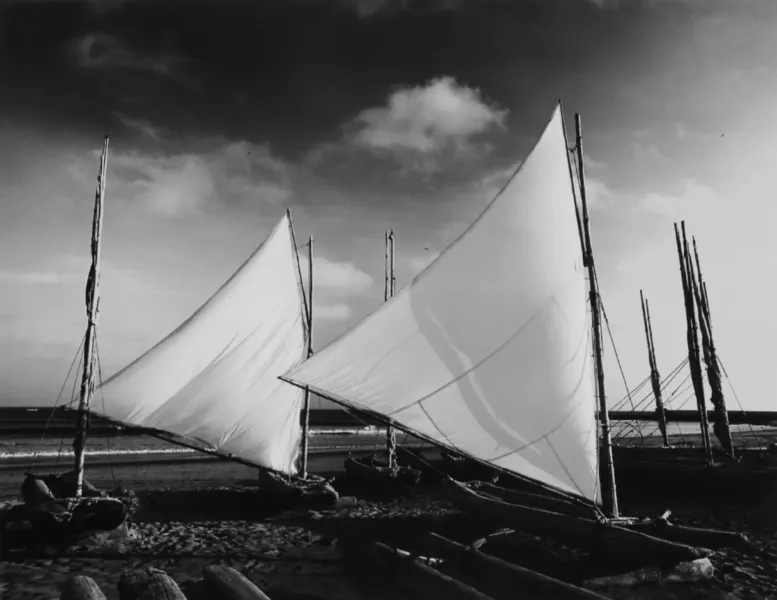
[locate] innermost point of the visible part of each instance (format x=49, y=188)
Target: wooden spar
x=386, y=267
x=391, y=438
x=92, y=311
x=609, y=493
x=306, y=409
x=691, y=277
x=693, y=343
x=655, y=379
x=720, y=426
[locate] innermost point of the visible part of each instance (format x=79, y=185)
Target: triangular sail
x=488, y=350
x=215, y=378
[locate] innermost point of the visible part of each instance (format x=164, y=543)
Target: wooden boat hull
x=682, y=474
x=375, y=472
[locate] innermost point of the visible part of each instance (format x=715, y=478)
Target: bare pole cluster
x=694, y=360
x=92, y=312
x=655, y=378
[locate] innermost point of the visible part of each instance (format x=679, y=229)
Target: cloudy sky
x=362, y=115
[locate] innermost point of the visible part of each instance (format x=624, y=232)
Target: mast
x=721, y=426
x=391, y=439
x=655, y=379
x=306, y=409
x=92, y=311
x=693, y=343
x=609, y=493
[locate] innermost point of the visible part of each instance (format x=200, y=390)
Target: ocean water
x=53, y=446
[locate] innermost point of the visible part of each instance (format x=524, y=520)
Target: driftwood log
x=695, y=536
x=420, y=580
x=531, y=499
x=621, y=548
x=148, y=584
x=81, y=587
x=502, y=579
x=226, y=583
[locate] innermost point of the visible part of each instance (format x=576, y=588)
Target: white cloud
x=28, y=278
x=99, y=50
x=369, y=8
x=598, y=194
x=331, y=312
x=235, y=173
x=695, y=196
x=142, y=126
x=419, y=263
x=337, y=278
x=682, y=132
x=440, y=115
x=646, y=152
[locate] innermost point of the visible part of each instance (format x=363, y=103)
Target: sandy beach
x=311, y=553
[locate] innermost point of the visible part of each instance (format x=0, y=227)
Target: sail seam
x=478, y=364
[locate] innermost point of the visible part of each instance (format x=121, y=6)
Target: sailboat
x=212, y=384
x=500, y=369
x=384, y=473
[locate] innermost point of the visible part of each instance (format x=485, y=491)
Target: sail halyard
x=446, y=366
x=92, y=312
x=213, y=380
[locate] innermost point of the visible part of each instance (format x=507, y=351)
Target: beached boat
x=64, y=507
x=211, y=385
x=371, y=470
x=500, y=371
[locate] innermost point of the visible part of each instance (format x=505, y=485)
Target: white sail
x=488, y=350
x=215, y=378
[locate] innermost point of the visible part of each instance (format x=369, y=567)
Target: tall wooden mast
x=692, y=338
x=655, y=379
x=609, y=492
x=306, y=409
x=721, y=426
x=92, y=312
x=391, y=439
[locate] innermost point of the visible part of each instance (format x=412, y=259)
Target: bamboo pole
x=721, y=426
x=306, y=409
x=609, y=493
x=655, y=379
x=693, y=342
x=92, y=312
x=391, y=438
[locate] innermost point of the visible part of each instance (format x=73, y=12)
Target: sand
x=309, y=553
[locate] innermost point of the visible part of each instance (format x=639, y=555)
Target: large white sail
x=488, y=350
x=215, y=378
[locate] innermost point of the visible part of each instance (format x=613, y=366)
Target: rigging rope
x=56, y=403
x=100, y=380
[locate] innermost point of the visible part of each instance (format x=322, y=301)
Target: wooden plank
x=503, y=579
x=615, y=545
x=148, y=584
x=226, y=583
x=421, y=581
x=81, y=587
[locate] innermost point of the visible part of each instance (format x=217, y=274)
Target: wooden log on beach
x=503, y=579
x=693, y=536
x=148, y=584
x=228, y=584
x=533, y=500
x=616, y=546
x=420, y=580
x=81, y=587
